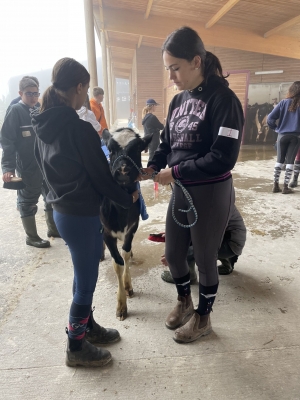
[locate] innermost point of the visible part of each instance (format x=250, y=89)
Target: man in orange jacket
x=96, y=107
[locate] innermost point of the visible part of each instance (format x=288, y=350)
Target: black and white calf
x=125, y=147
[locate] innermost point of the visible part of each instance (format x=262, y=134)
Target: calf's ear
x=145, y=141
x=106, y=136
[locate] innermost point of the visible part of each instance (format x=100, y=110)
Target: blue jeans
x=83, y=236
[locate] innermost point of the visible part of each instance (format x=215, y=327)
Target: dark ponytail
x=186, y=43
x=67, y=73
x=294, y=94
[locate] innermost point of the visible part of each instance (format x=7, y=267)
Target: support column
x=90, y=41
x=110, y=86
x=105, y=77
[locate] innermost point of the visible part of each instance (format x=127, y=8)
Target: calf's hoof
x=129, y=293
x=121, y=314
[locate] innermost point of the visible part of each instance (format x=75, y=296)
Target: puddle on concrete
x=253, y=184
x=256, y=152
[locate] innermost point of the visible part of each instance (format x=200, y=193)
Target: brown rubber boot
x=286, y=189
x=181, y=313
x=276, y=188
x=191, y=331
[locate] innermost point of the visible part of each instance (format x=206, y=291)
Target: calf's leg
x=118, y=264
x=126, y=274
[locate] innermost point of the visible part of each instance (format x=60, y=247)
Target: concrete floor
x=253, y=352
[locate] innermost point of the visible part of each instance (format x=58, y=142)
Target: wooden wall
x=149, y=80
x=152, y=81
x=245, y=60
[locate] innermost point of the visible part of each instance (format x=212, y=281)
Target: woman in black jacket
x=200, y=144
x=152, y=126
x=75, y=168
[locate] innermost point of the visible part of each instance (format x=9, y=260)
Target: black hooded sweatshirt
x=202, y=136
x=151, y=124
x=68, y=151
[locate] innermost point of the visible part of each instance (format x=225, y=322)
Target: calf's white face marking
x=124, y=137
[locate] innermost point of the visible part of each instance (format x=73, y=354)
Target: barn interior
x=253, y=352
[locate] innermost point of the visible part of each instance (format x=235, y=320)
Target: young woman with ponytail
x=200, y=144
x=287, y=112
x=68, y=151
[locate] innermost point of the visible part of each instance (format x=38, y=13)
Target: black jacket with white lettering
x=202, y=136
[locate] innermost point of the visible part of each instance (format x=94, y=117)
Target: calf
x=125, y=147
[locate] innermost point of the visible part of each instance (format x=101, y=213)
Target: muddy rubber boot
x=286, y=189
x=181, y=313
x=87, y=355
x=191, y=330
x=52, y=230
x=98, y=335
x=226, y=267
x=294, y=182
x=32, y=238
x=167, y=276
x=276, y=188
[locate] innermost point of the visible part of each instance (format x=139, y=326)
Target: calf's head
x=125, y=147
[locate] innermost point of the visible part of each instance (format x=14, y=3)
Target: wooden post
x=90, y=41
x=109, y=75
x=105, y=78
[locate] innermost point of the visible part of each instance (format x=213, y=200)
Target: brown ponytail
x=66, y=74
x=294, y=94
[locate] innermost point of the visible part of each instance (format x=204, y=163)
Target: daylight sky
x=34, y=34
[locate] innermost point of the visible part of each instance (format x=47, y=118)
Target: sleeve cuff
x=175, y=172
x=153, y=167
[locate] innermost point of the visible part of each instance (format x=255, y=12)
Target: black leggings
x=287, y=147
x=214, y=204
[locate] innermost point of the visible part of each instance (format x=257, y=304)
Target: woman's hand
x=7, y=176
x=148, y=171
x=164, y=177
x=135, y=196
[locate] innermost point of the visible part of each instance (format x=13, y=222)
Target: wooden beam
x=128, y=21
x=101, y=14
x=283, y=26
x=140, y=41
x=123, y=60
x=228, y=6
x=121, y=65
x=123, y=70
x=148, y=9
x=122, y=44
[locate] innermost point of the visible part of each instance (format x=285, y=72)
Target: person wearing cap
x=152, y=126
x=96, y=107
x=17, y=140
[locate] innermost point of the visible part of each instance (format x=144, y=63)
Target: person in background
x=68, y=151
x=96, y=107
x=151, y=125
x=87, y=115
x=294, y=182
x=287, y=112
x=200, y=144
x=17, y=99
x=17, y=140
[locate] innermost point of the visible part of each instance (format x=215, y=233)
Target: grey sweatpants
x=214, y=204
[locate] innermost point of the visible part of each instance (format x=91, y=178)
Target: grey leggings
x=214, y=203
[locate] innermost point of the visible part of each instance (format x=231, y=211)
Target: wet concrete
x=253, y=352
x=256, y=152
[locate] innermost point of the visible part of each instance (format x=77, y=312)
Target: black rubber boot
x=52, y=230
x=98, y=335
x=294, y=183
x=167, y=277
x=226, y=267
x=32, y=238
x=86, y=354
